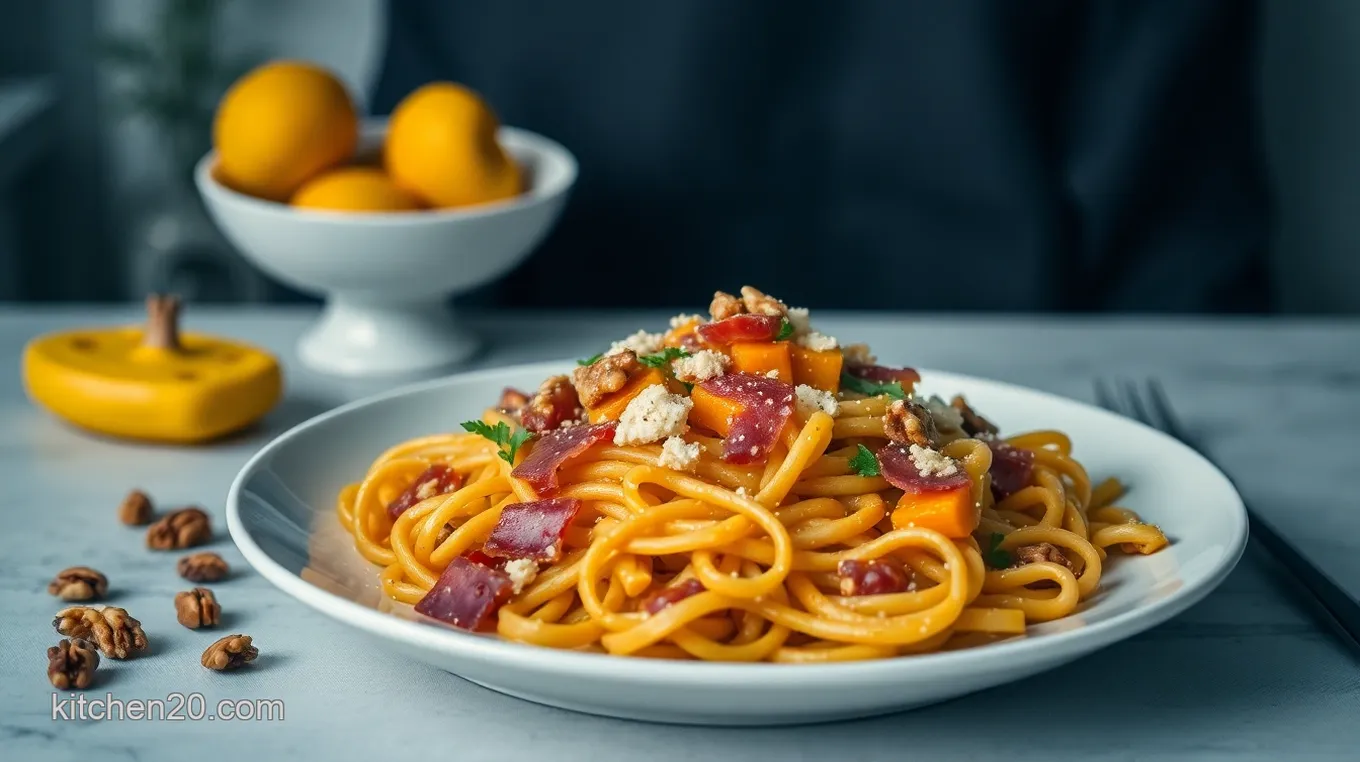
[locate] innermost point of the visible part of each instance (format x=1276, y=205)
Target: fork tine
x=1103, y=396
x=1162, y=404
x=1135, y=402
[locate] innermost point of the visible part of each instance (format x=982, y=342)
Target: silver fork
x=1151, y=406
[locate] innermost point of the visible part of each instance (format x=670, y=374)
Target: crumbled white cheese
x=685, y=319
x=700, y=366
x=642, y=343
x=426, y=490
x=772, y=373
x=678, y=454
x=818, y=342
x=932, y=462
x=521, y=572
x=742, y=491
x=945, y=416
x=652, y=416
x=809, y=400
x=859, y=354
x=800, y=320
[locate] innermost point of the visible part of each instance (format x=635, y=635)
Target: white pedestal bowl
x=387, y=276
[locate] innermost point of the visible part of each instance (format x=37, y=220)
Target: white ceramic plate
x=280, y=511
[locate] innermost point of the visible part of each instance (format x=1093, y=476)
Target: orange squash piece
x=952, y=513
x=675, y=337
x=611, y=407
x=712, y=412
x=760, y=357
x=818, y=369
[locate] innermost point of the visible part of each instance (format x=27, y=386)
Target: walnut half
x=724, y=306
x=71, y=664
x=908, y=422
x=197, y=608
x=135, y=510
x=758, y=302
x=603, y=377
x=203, y=567
x=229, y=653
x=1043, y=552
x=110, y=628
x=184, y=528
x=78, y=583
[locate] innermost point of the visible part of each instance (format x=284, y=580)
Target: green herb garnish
x=590, y=360
x=785, y=330
x=997, y=558
x=865, y=462
x=663, y=357
x=872, y=388
x=508, y=441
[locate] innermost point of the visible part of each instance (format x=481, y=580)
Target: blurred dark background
x=1050, y=155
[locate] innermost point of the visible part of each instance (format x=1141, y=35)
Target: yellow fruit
x=280, y=125
x=441, y=145
x=354, y=189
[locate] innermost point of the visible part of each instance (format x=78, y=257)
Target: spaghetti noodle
x=872, y=523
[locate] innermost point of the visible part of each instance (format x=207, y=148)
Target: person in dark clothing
x=1050, y=155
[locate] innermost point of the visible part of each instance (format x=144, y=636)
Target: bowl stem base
x=358, y=336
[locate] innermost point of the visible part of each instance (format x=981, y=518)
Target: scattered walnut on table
x=110, y=628
x=724, y=306
x=78, y=583
x=203, y=567
x=1042, y=552
x=603, y=377
x=229, y=653
x=197, y=608
x=758, y=302
x=973, y=424
x=908, y=422
x=135, y=510
x=71, y=664
x=184, y=528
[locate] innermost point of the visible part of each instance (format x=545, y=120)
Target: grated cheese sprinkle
x=652, y=416
x=678, y=454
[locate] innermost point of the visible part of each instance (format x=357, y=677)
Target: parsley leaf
x=509, y=442
x=785, y=330
x=872, y=388
x=864, y=462
x=663, y=357
x=997, y=558
x=590, y=360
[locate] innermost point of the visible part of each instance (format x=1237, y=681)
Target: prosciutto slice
x=907, y=377
x=766, y=404
x=901, y=470
x=438, y=479
x=532, y=530
x=552, y=449
x=673, y=594
x=741, y=328
x=1012, y=468
x=875, y=577
x=467, y=595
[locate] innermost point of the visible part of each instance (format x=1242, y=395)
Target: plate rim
x=1071, y=643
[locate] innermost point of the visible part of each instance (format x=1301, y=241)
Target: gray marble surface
x=1247, y=674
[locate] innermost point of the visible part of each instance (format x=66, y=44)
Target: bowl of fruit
x=384, y=218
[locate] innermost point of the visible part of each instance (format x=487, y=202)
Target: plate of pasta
x=735, y=520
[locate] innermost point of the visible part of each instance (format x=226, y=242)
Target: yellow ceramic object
x=151, y=383
x=441, y=145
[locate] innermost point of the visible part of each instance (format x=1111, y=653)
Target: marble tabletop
x=1246, y=674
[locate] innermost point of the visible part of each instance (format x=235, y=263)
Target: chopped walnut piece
x=858, y=354
x=110, y=628
x=135, y=510
x=203, y=567
x=197, y=608
x=184, y=528
x=973, y=424
x=908, y=422
x=78, y=583
x=1042, y=551
x=71, y=664
x=554, y=404
x=229, y=653
x=603, y=377
x=724, y=306
x=759, y=303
